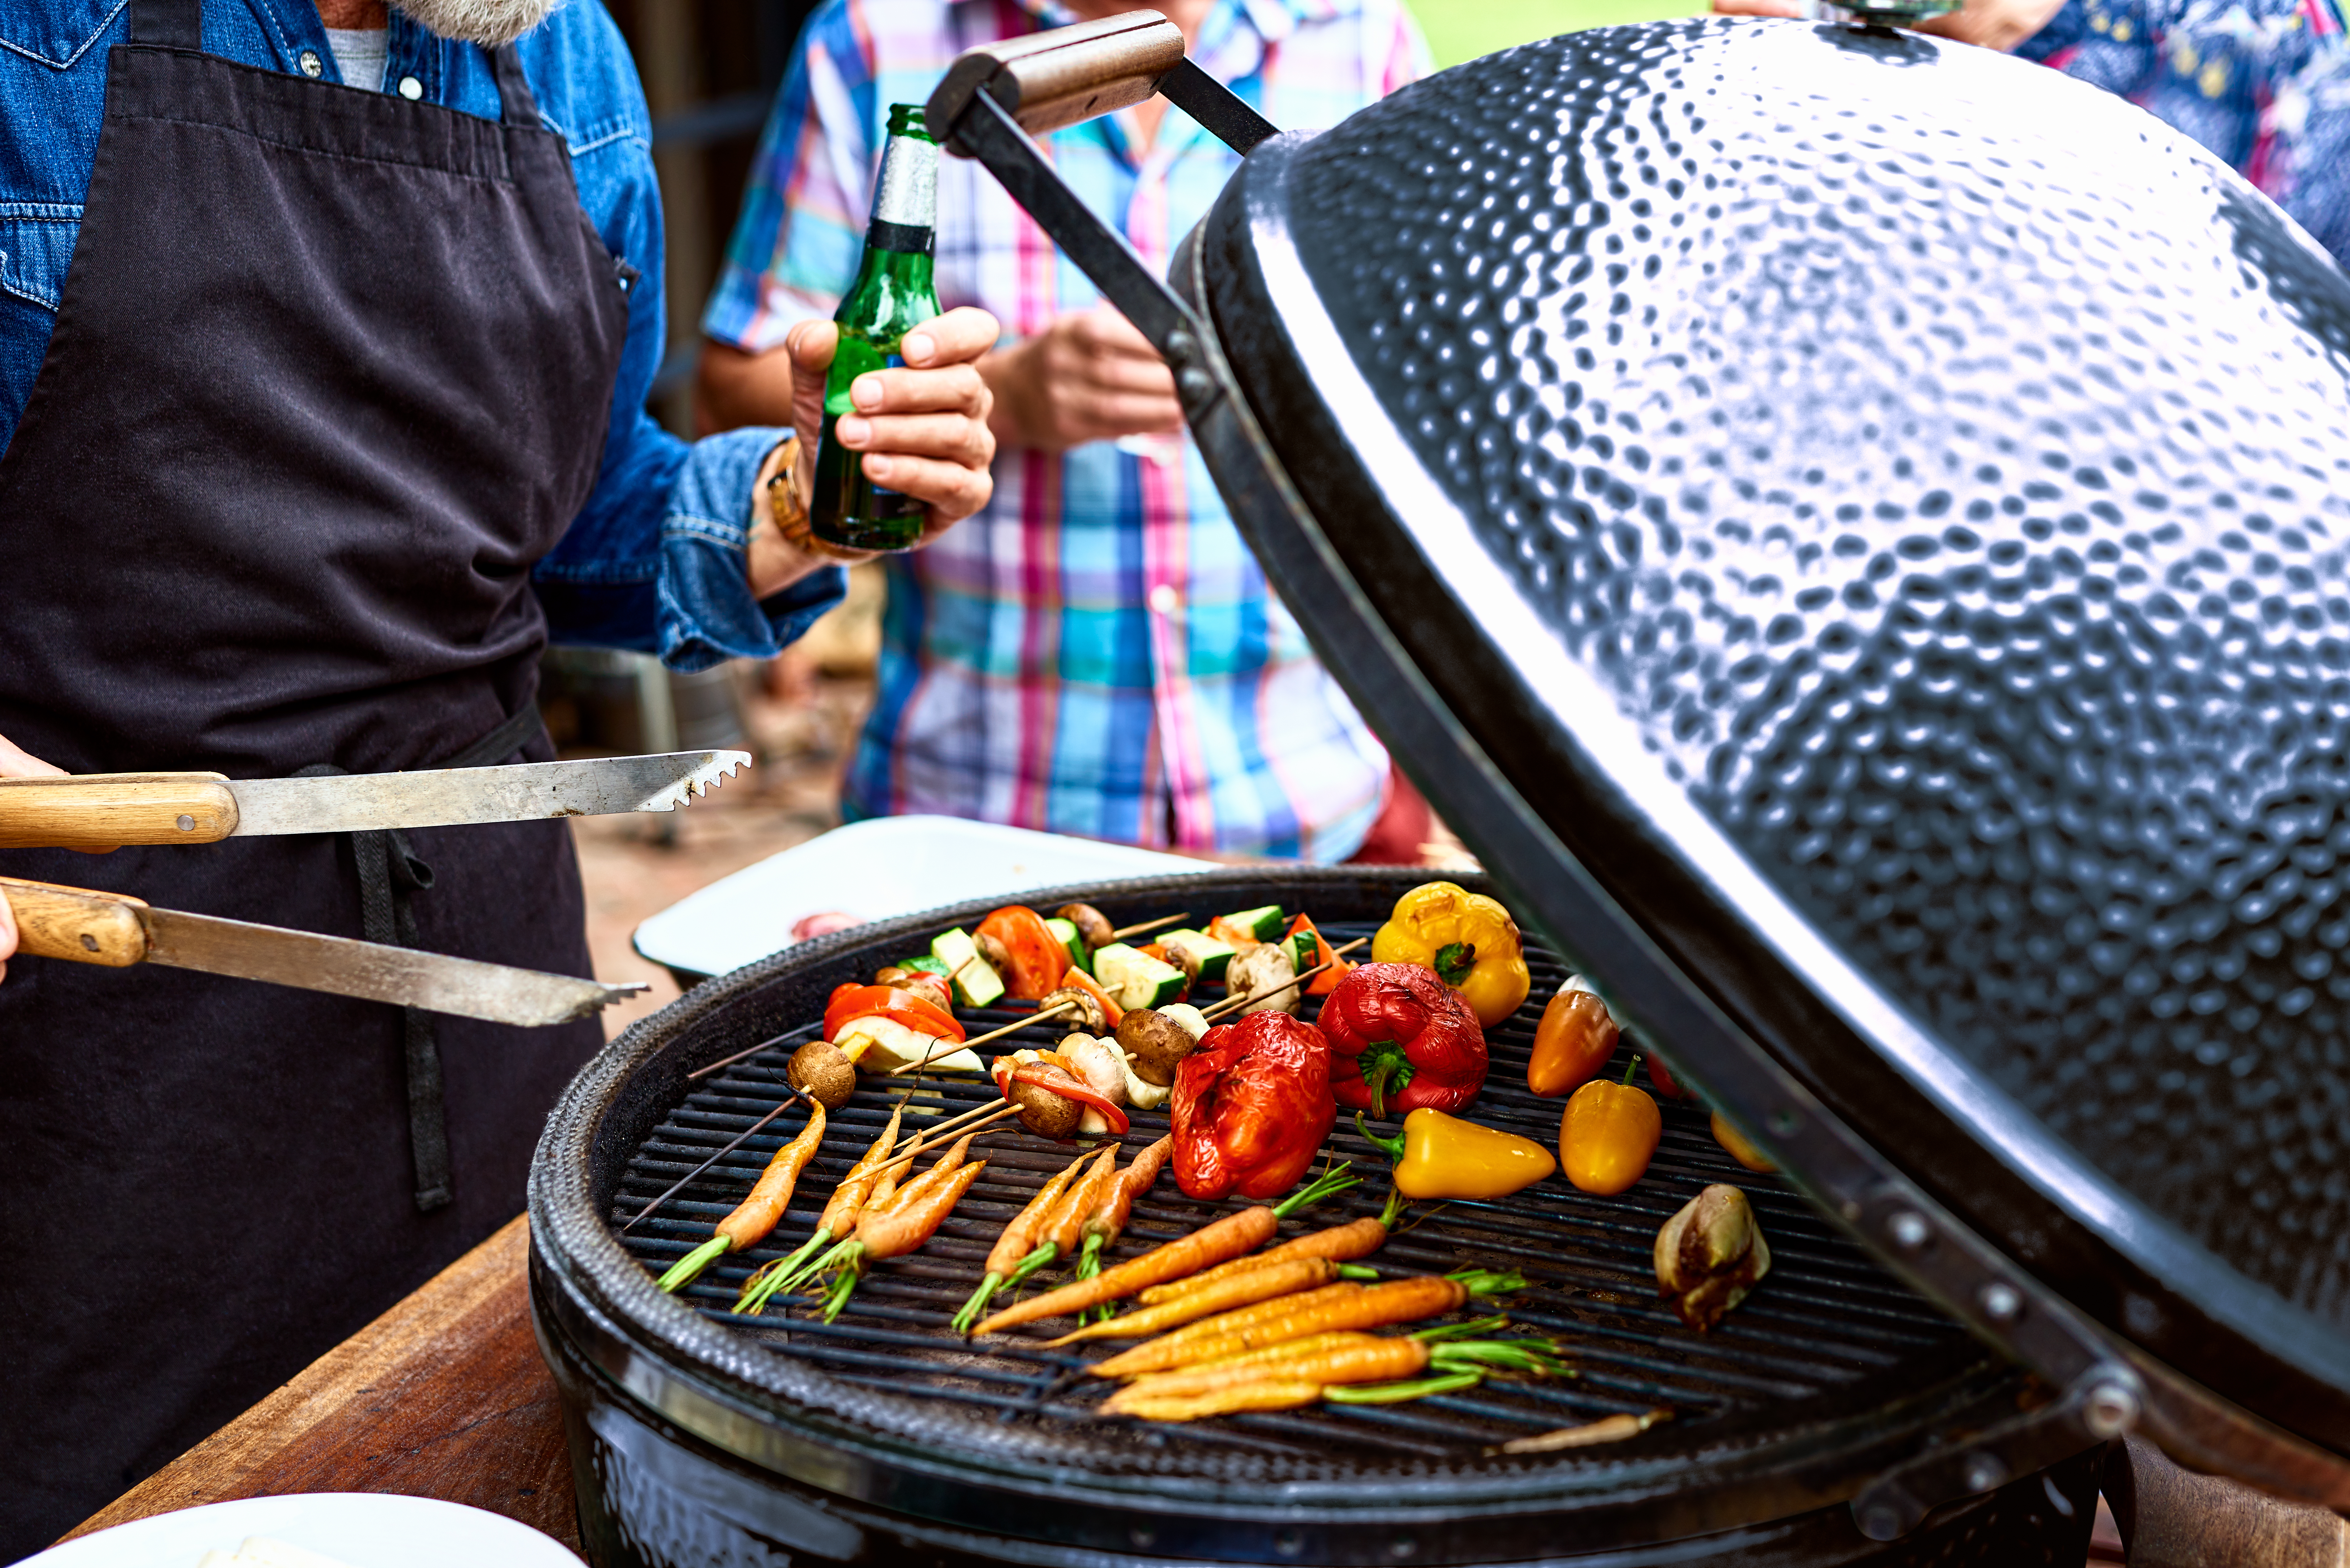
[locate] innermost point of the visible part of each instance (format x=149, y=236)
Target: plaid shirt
x=1097, y=652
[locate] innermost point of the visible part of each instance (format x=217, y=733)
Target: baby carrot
x=839, y=1218
x=1108, y=1217
x=1364, y=1358
x=1268, y=1395
x=1225, y=1237
x=756, y=1216
x=1332, y=1308
x=1234, y=1291
x=1340, y=1245
x=900, y=1229
x=1014, y=1244
x=1065, y=1229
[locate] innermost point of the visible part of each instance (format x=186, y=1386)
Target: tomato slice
x=851, y=1000
x=1037, y=956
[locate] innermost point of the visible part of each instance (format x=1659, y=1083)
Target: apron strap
x=390, y=873
x=516, y=103
x=167, y=24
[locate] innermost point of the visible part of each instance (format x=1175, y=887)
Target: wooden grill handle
x=1050, y=79
x=76, y=924
x=104, y=810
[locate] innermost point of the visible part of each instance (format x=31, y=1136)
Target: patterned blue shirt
x=654, y=560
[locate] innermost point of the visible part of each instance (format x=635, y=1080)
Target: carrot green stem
x=1088, y=1259
x=1396, y=1204
x=1329, y=1184
x=1031, y=1263
x=773, y=1277
x=1356, y=1272
x=1537, y=1356
x=683, y=1272
x=1486, y=1283
x=977, y=1304
x=1397, y=1393
x=836, y=1295
x=1462, y=1330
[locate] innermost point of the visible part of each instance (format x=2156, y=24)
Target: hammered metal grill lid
x=1880, y=505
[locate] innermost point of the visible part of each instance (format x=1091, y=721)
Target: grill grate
x=1826, y=1317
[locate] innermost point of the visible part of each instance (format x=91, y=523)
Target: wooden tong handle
x=76, y=924
x=104, y=810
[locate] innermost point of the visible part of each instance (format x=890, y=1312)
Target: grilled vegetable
x=1134, y=979
x=839, y=1218
x=1467, y=939
x=1075, y=978
x=1710, y=1254
x=1200, y=956
x=1325, y=1311
x=1102, y=1066
x=1608, y=1133
x=1225, y=1237
x=1036, y=957
x=976, y=981
x=1156, y=1043
x=1264, y=975
x=1052, y=1099
x=1399, y=1037
x=1093, y=927
x=827, y=1076
x=929, y=986
x=1663, y=1077
x=1340, y=1245
x=1085, y=1010
x=903, y=1224
x=1018, y=1238
x=1308, y=948
x=1331, y=1360
x=1443, y=1156
x=1245, y=1289
x=1573, y=1042
x=1250, y=1108
x=1261, y=924
x=1106, y=1221
x=757, y=1215
x=1741, y=1150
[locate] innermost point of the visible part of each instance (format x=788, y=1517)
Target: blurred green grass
x=1460, y=30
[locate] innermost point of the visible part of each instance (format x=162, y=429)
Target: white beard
x=489, y=23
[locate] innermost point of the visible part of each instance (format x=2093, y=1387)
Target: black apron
x=331, y=370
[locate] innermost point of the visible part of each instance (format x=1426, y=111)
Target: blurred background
x=710, y=68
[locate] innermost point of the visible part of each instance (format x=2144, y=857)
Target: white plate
x=888, y=866
x=365, y=1530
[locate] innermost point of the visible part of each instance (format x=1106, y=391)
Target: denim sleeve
x=654, y=561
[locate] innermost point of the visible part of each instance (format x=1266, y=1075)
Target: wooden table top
x=444, y=1396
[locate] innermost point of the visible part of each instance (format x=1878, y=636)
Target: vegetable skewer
x=1231, y=1003
x=755, y=1218
x=1019, y=1235
x=1038, y=1016
x=839, y=1218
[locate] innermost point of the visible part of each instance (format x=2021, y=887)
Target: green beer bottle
x=891, y=296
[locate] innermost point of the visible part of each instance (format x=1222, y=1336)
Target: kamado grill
x=1846, y=526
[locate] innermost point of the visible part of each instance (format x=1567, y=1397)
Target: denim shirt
x=655, y=559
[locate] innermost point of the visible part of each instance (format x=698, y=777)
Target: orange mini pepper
x=1608, y=1133
x=1743, y=1152
x=1573, y=1042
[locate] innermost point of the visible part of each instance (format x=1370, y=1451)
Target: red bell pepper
x=1401, y=1039
x=1250, y=1108
x=1037, y=959
x=1325, y=982
x=851, y=1001
x=1069, y=1087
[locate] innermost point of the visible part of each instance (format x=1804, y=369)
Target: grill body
x=698, y=1436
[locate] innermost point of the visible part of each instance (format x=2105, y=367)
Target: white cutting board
x=888, y=866
x=365, y=1530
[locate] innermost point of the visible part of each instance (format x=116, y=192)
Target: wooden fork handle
x=104, y=810
x=76, y=924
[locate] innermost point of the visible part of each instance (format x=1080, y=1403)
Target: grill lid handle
x=1048, y=80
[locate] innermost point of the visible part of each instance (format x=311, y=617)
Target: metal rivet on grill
x=90, y=941
x=1908, y=1229
x=187, y=823
x=2109, y=1410
x=1143, y=1537
x=2001, y=1302
x=1402, y=1548
x=1289, y=1543
x=1984, y=1473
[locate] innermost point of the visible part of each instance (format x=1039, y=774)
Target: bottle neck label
x=906, y=198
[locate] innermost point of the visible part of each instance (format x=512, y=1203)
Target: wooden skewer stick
x=790, y=1095
x=724, y=1062
x=1231, y=1002
x=914, y=1151
x=1055, y=1011
x=1123, y=932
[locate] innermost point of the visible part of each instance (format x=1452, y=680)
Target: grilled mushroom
x=1092, y=925
x=827, y=1076
x=1257, y=974
x=1044, y=1113
x=1155, y=1044
x=1087, y=1016
x=992, y=952
x=1710, y=1255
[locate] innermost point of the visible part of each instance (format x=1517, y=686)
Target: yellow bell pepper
x=1443, y=1156
x=1467, y=939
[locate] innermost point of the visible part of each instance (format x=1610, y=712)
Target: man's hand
x=15, y=764
x=1999, y=25
x=923, y=429
x=1090, y=376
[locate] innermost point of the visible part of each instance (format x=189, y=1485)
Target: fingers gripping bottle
x=891, y=296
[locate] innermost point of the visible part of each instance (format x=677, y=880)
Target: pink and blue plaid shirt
x=1097, y=652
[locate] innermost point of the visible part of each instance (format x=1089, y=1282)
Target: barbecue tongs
x=104, y=810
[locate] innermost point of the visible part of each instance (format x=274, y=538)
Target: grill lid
x=1863, y=508
x=1874, y=501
